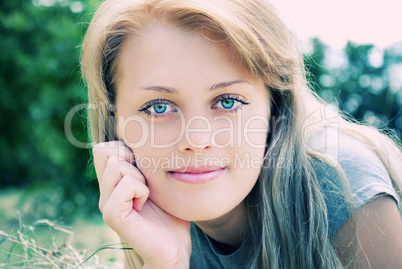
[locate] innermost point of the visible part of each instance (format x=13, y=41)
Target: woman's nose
x=197, y=135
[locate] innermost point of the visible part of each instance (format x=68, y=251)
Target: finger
x=103, y=151
x=115, y=170
x=129, y=195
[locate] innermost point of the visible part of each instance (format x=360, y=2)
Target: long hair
x=286, y=208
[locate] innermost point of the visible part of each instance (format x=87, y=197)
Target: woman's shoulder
x=361, y=165
x=358, y=161
x=366, y=175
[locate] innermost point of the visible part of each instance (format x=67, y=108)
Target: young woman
x=212, y=152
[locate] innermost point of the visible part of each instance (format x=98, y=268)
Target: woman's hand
x=160, y=239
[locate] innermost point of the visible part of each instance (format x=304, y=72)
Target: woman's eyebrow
x=172, y=90
x=160, y=89
x=227, y=84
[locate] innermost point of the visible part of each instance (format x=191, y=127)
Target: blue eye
x=158, y=107
x=227, y=103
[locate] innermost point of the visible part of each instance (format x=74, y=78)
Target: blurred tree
x=40, y=82
x=364, y=80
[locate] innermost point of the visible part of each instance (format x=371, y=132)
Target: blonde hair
x=286, y=208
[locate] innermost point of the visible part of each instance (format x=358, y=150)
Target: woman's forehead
x=166, y=54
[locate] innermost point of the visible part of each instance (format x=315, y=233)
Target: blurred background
x=43, y=176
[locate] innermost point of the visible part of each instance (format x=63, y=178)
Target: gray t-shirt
x=367, y=177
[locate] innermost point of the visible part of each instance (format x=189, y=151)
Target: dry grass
x=45, y=244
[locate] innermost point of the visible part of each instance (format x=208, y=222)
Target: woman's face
x=195, y=118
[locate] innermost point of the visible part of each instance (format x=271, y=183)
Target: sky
x=335, y=22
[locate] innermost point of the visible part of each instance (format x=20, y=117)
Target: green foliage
x=40, y=82
x=364, y=80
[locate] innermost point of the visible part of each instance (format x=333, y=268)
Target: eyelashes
x=158, y=107
x=229, y=102
x=224, y=103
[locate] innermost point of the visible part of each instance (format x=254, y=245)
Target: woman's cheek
x=156, y=154
x=138, y=132
x=133, y=130
x=166, y=134
x=225, y=133
x=254, y=131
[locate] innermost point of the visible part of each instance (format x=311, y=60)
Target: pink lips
x=196, y=175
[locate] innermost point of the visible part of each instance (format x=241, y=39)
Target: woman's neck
x=230, y=229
